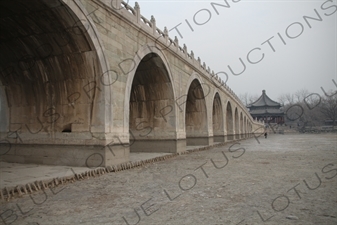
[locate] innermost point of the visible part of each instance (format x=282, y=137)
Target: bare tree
x=247, y=99
x=244, y=98
x=329, y=107
x=252, y=98
x=282, y=100
x=302, y=108
x=286, y=99
x=300, y=95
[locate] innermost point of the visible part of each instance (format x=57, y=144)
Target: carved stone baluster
x=166, y=36
x=154, y=26
x=176, y=42
x=185, y=50
x=137, y=10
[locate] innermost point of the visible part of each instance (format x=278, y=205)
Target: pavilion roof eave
x=264, y=100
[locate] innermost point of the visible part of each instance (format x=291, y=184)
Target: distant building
x=329, y=123
x=267, y=110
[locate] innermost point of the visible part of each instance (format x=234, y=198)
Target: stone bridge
x=88, y=82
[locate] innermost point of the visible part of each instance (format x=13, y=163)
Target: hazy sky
x=295, y=56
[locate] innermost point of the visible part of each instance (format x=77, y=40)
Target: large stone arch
x=140, y=54
x=55, y=79
x=196, y=114
x=236, y=123
x=245, y=125
x=181, y=100
x=217, y=119
x=241, y=125
x=229, y=122
x=152, y=109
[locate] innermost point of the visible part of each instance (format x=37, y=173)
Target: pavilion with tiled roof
x=266, y=110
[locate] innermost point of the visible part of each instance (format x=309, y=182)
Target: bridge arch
x=196, y=123
x=241, y=125
x=151, y=53
x=53, y=72
x=152, y=109
x=245, y=125
x=218, y=119
x=229, y=121
x=237, y=123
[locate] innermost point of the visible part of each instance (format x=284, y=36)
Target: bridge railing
x=127, y=7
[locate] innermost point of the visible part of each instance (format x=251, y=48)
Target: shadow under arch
x=140, y=55
x=51, y=75
x=152, y=109
x=241, y=126
x=236, y=123
x=245, y=126
x=196, y=115
x=218, y=119
x=229, y=122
